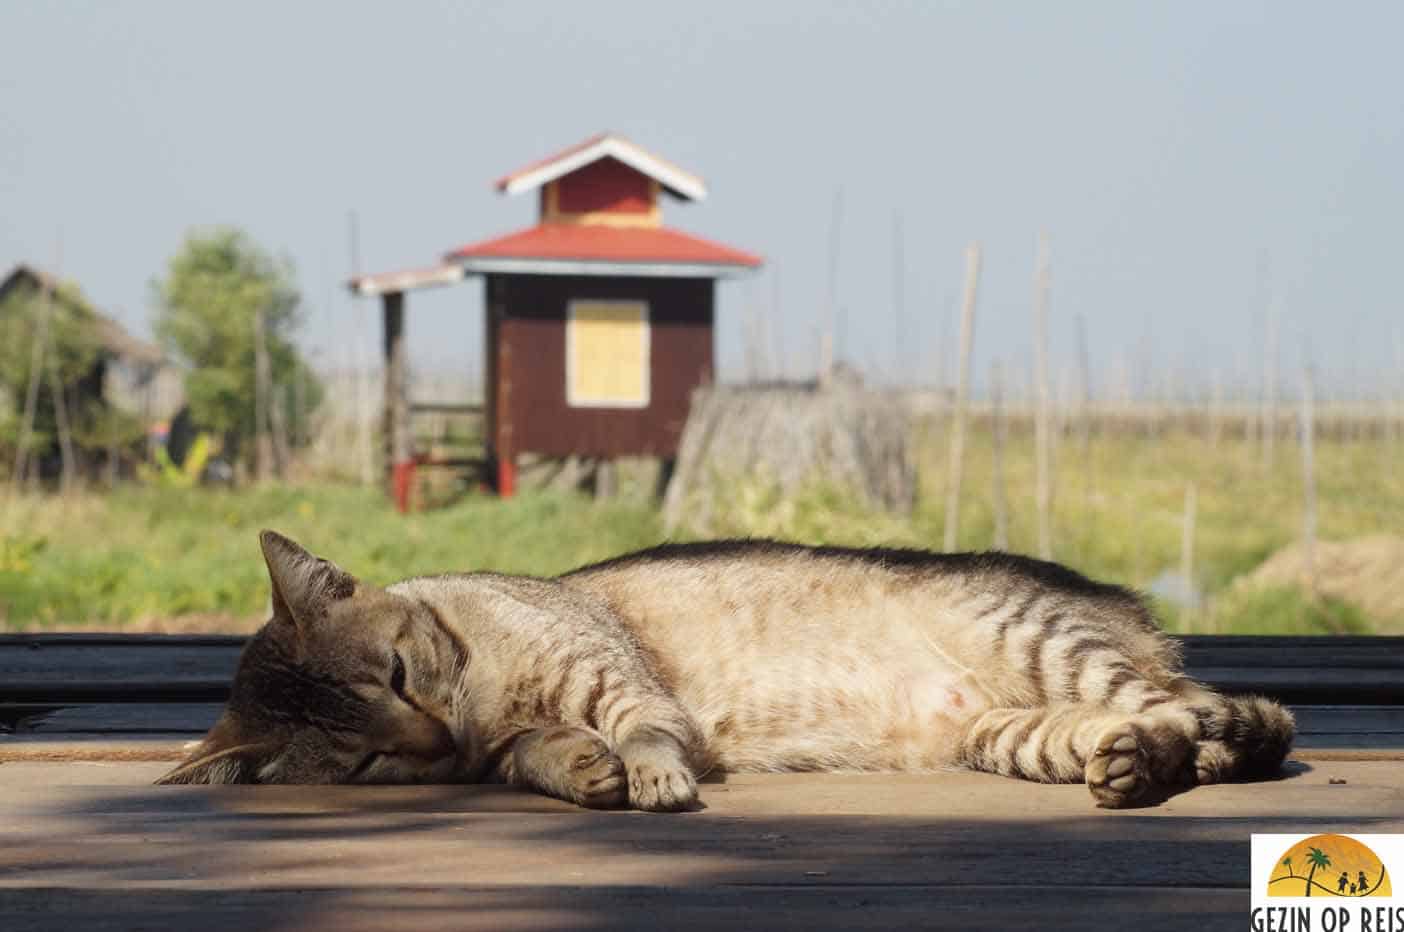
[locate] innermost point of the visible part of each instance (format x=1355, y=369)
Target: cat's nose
x=429, y=738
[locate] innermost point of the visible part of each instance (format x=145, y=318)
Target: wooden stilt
x=399, y=453
x=506, y=476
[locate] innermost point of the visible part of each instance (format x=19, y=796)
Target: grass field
x=143, y=553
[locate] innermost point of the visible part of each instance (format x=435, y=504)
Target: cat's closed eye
x=360, y=769
x=397, y=674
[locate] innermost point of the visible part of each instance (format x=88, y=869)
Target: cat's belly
x=904, y=719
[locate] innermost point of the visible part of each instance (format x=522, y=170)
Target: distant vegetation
x=145, y=553
x=224, y=303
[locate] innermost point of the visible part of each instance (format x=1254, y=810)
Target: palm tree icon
x=1317, y=858
x=1287, y=863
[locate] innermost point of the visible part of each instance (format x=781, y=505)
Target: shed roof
x=551, y=248
x=675, y=180
x=407, y=279
x=111, y=335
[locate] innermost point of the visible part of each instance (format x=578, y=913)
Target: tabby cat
x=622, y=682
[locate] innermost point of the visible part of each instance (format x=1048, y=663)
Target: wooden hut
x=599, y=318
x=120, y=374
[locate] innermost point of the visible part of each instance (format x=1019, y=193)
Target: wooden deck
x=90, y=844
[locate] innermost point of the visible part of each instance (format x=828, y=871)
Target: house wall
x=607, y=185
x=527, y=407
x=604, y=192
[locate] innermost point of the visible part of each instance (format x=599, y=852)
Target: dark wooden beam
x=399, y=453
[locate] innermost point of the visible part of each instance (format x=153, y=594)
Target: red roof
x=556, y=242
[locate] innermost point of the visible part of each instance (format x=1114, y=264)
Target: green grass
x=143, y=553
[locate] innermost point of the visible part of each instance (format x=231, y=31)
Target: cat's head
x=346, y=683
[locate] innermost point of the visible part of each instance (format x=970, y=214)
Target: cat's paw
x=661, y=787
x=595, y=775
x=1118, y=773
x=1214, y=762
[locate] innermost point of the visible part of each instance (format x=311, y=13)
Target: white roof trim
x=478, y=265
x=384, y=282
x=669, y=176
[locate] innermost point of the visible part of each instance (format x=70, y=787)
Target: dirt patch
x=1366, y=571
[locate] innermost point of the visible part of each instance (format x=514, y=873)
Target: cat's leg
x=659, y=742
x=624, y=702
x=1124, y=759
x=574, y=764
x=1241, y=737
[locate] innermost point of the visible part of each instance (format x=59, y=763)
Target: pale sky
x=1171, y=150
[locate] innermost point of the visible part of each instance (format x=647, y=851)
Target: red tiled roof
x=591, y=243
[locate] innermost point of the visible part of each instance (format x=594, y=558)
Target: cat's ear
x=221, y=757
x=303, y=585
x=239, y=764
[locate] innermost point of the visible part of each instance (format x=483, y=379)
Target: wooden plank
x=778, y=907
x=444, y=407
x=96, y=720
x=1373, y=789
x=1380, y=720
x=53, y=668
x=158, y=731
x=811, y=851
x=138, y=746
x=50, y=668
x=1307, y=686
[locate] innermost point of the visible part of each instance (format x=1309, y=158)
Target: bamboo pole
x=1187, y=538
x=778, y=350
x=263, y=441
x=1084, y=385
x=1216, y=410
x=829, y=341
x=899, y=311
x=957, y=448
x=998, y=429
x=751, y=336
x=1191, y=591
x=1269, y=414
x=1042, y=438
x=1398, y=429
x=1308, y=442
x=39, y=347
x=365, y=457
x=65, y=433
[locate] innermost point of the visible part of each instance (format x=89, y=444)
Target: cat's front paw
x=660, y=779
x=596, y=776
x=659, y=787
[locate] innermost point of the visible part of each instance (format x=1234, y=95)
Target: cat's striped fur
x=626, y=680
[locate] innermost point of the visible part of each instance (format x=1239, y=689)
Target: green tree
x=1316, y=858
x=207, y=304
x=1287, y=863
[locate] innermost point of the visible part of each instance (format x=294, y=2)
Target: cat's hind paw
x=1118, y=773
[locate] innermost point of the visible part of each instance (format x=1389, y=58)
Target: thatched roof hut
x=129, y=373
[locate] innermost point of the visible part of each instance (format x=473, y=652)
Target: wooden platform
x=90, y=844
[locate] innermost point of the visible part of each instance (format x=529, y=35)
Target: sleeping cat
x=621, y=683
